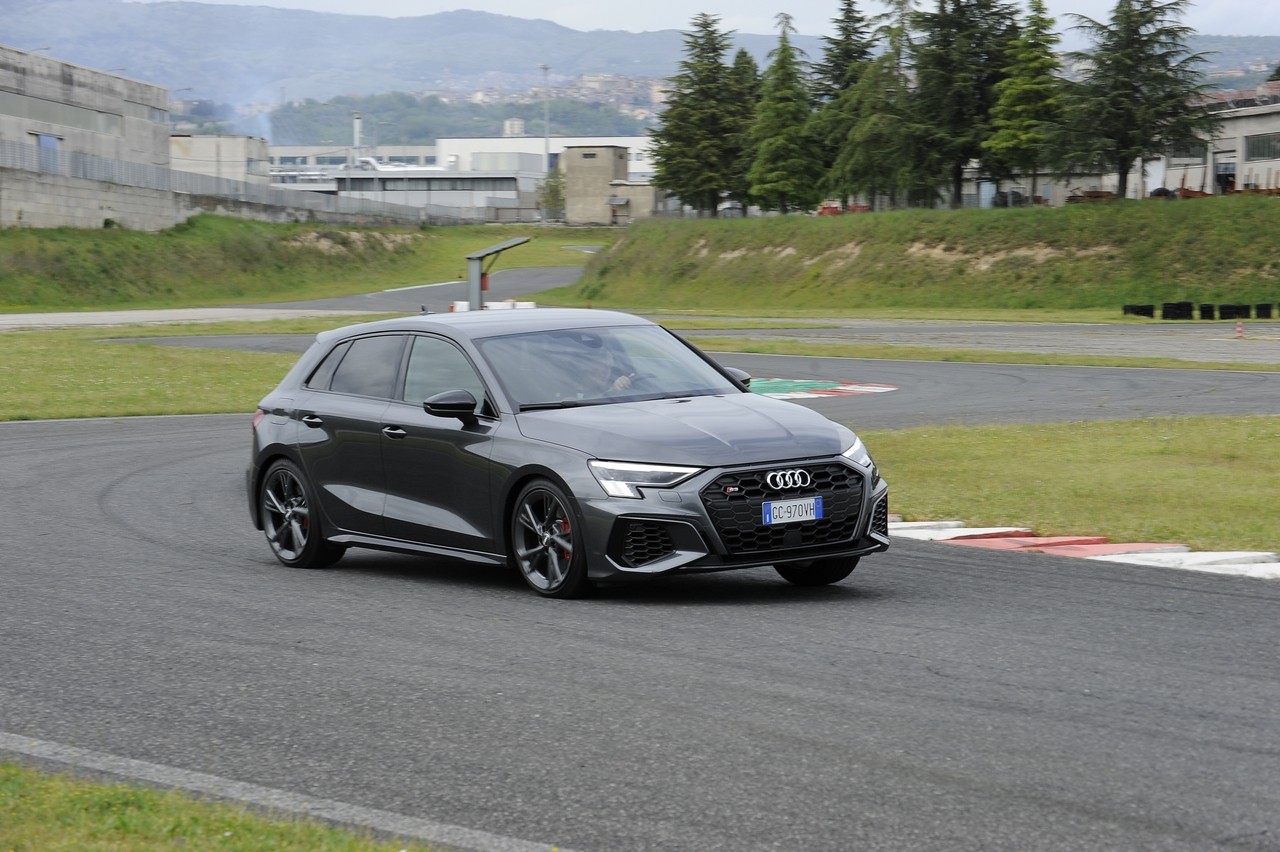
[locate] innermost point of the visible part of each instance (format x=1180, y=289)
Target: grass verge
x=972, y=356
x=212, y=260
x=1199, y=481
x=51, y=812
x=1196, y=480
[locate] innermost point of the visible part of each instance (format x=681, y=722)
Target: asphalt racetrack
x=941, y=698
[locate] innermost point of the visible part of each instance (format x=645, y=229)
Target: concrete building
x=242, y=158
x=462, y=154
x=597, y=190
x=328, y=157
x=1244, y=155
x=61, y=109
x=83, y=148
x=499, y=195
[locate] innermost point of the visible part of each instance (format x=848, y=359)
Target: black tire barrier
x=1186, y=311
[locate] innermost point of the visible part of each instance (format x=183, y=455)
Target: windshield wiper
x=547, y=406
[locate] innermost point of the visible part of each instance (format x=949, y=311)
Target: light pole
x=546, y=118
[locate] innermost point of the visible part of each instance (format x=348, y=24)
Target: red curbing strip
x=1115, y=549
x=963, y=537
x=1030, y=542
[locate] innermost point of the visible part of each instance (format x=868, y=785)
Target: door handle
x=394, y=432
x=312, y=420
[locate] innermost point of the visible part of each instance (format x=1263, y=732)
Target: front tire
x=819, y=572
x=290, y=519
x=546, y=542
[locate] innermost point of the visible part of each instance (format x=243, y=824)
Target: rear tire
x=546, y=542
x=290, y=519
x=819, y=572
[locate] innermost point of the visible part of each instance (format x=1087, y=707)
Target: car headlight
x=624, y=479
x=858, y=455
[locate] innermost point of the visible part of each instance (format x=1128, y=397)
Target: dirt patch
x=344, y=242
x=837, y=257
x=983, y=262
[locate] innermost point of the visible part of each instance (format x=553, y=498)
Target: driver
x=601, y=375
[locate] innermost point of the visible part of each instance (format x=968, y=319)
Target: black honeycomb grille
x=644, y=542
x=880, y=520
x=734, y=502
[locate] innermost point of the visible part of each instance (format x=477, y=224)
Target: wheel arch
x=259, y=475
x=512, y=488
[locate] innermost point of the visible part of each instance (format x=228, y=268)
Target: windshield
x=586, y=366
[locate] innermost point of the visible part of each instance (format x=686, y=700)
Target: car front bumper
x=714, y=522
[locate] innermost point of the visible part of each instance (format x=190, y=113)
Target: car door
x=340, y=433
x=438, y=468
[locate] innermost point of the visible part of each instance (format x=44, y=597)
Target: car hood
x=706, y=431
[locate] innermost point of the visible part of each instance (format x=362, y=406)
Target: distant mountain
x=243, y=55
x=255, y=54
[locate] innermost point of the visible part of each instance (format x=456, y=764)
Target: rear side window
x=369, y=367
x=323, y=374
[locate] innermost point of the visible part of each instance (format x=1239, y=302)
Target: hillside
x=1079, y=256
x=1083, y=256
x=241, y=55
x=256, y=54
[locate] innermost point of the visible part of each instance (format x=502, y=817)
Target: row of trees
x=900, y=106
x=399, y=118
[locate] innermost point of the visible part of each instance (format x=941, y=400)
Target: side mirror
x=452, y=403
x=741, y=375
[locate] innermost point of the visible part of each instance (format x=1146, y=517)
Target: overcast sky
x=812, y=17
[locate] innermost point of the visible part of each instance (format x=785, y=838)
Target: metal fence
x=26, y=157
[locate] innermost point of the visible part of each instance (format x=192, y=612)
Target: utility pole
x=546, y=118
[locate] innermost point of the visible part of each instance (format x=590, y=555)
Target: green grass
x=45, y=812
x=974, y=356
x=1082, y=256
x=213, y=260
x=1110, y=479
x=1206, y=482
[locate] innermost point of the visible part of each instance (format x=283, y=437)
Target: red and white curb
x=1263, y=565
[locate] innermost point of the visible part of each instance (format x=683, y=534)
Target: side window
x=322, y=374
x=370, y=367
x=436, y=365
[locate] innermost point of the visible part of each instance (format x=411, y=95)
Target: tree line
x=900, y=106
x=399, y=118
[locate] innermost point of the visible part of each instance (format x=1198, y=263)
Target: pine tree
x=1028, y=108
x=741, y=95
x=963, y=53
x=1143, y=93
x=786, y=162
x=845, y=56
x=882, y=152
x=693, y=155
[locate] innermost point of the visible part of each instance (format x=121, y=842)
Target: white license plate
x=789, y=511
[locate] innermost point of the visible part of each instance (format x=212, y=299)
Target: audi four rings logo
x=789, y=479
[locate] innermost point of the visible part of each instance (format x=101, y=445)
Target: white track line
x=451, y=836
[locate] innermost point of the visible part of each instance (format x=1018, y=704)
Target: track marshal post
x=478, y=272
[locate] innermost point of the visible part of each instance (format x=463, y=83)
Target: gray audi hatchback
x=578, y=446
